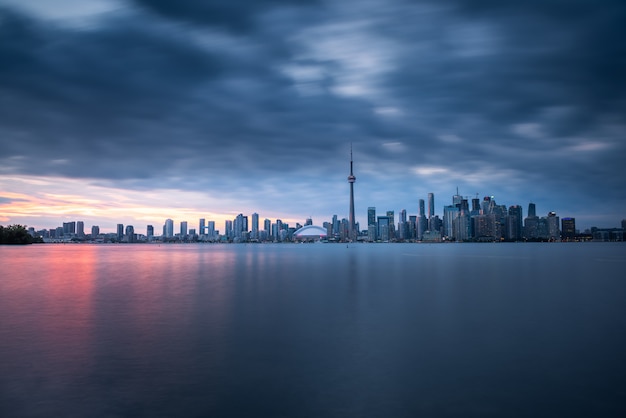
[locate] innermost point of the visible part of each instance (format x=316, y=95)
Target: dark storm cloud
x=236, y=15
x=188, y=91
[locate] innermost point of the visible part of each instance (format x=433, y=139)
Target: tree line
x=17, y=235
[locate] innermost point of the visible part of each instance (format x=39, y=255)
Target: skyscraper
x=568, y=229
x=431, y=205
x=130, y=233
x=351, y=179
x=80, y=229
x=169, y=228
x=183, y=229
x=532, y=211
x=201, y=226
x=120, y=231
x=255, y=225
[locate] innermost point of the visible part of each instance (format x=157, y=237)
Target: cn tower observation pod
x=310, y=233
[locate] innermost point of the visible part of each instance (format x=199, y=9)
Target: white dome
x=310, y=231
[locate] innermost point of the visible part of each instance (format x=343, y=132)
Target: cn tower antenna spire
x=352, y=232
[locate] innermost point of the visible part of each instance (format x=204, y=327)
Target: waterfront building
x=450, y=213
x=553, y=227
x=568, y=229
x=383, y=233
x=120, y=232
x=371, y=216
x=95, y=231
x=255, y=226
x=514, y=223
x=431, y=205
x=169, y=228
x=80, y=229
x=130, y=234
x=211, y=230
x=183, y=229
x=202, y=226
x=150, y=232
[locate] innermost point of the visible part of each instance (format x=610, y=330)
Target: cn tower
x=351, y=179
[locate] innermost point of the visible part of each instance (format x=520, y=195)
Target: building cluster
x=465, y=220
x=483, y=221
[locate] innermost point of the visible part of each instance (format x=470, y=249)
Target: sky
x=134, y=111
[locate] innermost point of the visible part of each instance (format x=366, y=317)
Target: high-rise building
x=514, y=223
x=169, y=228
x=568, y=229
x=202, y=226
x=80, y=229
x=183, y=229
x=371, y=216
x=211, y=229
x=267, y=227
x=457, y=198
x=150, y=232
x=383, y=228
x=392, y=224
x=352, y=232
x=130, y=233
x=255, y=225
x=450, y=213
x=120, y=232
x=95, y=231
x=553, y=227
x=532, y=211
x=431, y=205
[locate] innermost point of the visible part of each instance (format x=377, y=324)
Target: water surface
x=313, y=330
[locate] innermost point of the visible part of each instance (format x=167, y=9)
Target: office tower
x=568, y=229
x=130, y=233
x=383, y=228
x=514, y=223
x=532, y=211
x=202, y=226
x=336, y=227
x=69, y=228
x=553, y=226
x=95, y=231
x=228, y=229
x=421, y=211
x=484, y=227
x=450, y=213
x=456, y=199
x=392, y=224
x=80, y=229
x=238, y=227
x=431, y=205
x=475, y=205
x=371, y=216
x=169, y=228
x=255, y=225
x=462, y=226
x=120, y=231
x=150, y=232
x=352, y=232
x=403, y=216
x=211, y=229
x=183, y=229
x=267, y=227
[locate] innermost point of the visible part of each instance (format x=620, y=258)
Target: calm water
x=388, y=330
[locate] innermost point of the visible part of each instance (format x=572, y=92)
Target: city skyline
x=130, y=111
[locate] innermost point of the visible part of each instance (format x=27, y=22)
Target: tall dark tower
x=351, y=179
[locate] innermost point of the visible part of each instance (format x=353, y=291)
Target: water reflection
x=308, y=330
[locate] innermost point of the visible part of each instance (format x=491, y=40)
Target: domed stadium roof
x=310, y=231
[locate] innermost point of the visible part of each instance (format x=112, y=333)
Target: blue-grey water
x=313, y=330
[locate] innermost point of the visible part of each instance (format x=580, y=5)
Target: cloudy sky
x=133, y=111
